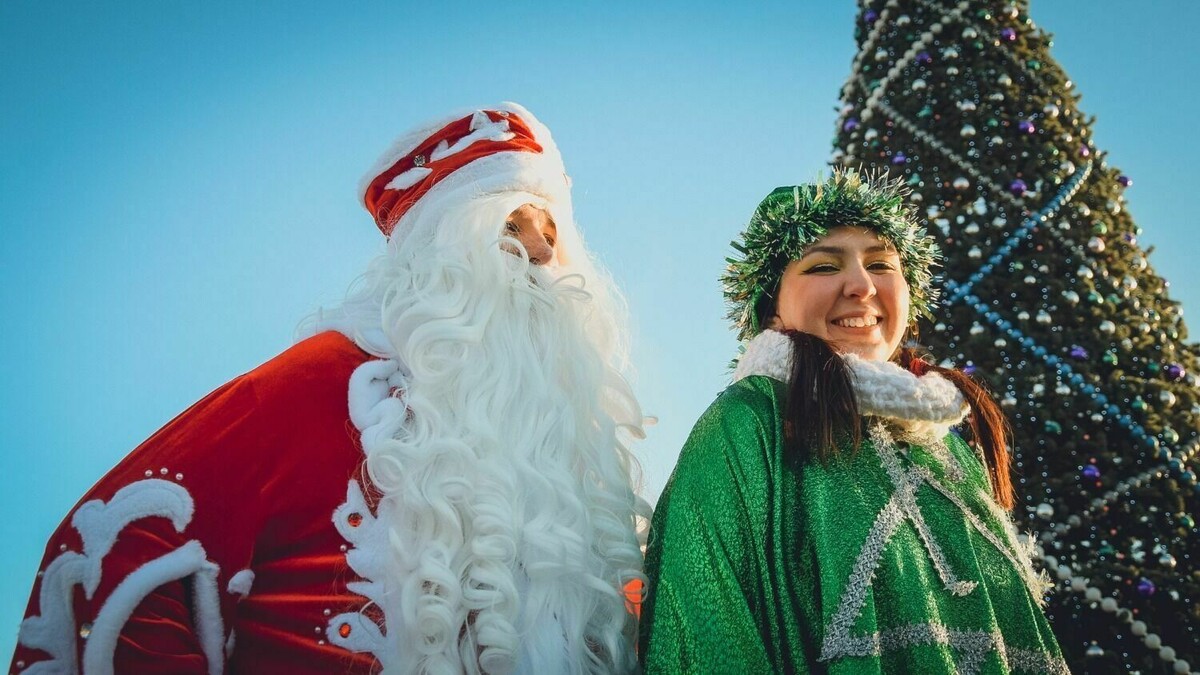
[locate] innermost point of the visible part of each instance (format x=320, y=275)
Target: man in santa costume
x=435, y=481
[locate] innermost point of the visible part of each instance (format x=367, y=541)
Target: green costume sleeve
x=704, y=561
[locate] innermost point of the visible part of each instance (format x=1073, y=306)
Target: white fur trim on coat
x=769, y=354
x=188, y=560
x=375, y=391
x=99, y=524
x=927, y=405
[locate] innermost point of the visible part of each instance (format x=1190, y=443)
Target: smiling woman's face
x=848, y=289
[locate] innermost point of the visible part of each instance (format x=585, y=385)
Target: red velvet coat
x=212, y=547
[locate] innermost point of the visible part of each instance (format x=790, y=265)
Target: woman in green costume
x=822, y=516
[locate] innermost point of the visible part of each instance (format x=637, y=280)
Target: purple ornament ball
x=1026, y=127
x=899, y=158
x=1084, y=151
x=1174, y=371
x=870, y=16
x=1008, y=35
x=924, y=58
x=1018, y=187
x=1125, y=181
x=850, y=124
x=1078, y=352
x=1146, y=587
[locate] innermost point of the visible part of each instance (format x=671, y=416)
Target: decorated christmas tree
x=1051, y=301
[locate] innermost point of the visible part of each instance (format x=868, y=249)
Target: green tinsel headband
x=791, y=219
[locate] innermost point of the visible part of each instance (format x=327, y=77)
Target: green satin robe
x=757, y=565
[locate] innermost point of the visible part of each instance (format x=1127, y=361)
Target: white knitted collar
x=924, y=406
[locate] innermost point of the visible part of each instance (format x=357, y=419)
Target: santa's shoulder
x=316, y=367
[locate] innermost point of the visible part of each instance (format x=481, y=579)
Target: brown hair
x=821, y=408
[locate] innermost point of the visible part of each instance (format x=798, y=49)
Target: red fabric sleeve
x=163, y=514
x=241, y=485
x=159, y=637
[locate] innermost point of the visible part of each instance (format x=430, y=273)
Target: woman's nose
x=859, y=283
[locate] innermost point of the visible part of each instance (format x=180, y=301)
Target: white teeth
x=858, y=321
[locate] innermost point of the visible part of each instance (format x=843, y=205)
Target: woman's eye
x=549, y=240
x=882, y=265
x=511, y=228
x=823, y=268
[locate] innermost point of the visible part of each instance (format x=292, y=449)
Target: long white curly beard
x=507, y=489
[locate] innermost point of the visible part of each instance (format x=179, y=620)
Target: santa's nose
x=539, y=250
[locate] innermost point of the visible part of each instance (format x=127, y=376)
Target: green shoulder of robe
x=892, y=559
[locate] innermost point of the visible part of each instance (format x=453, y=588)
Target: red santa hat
x=487, y=151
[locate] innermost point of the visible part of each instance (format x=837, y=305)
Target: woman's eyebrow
x=838, y=250
x=832, y=250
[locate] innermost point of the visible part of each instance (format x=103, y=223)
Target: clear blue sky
x=177, y=183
